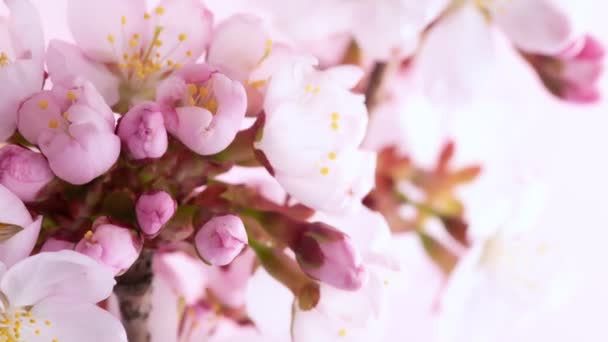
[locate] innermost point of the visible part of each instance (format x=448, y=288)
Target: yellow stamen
x=332, y=155
x=146, y=16
x=191, y=89
x=335, y=116
x=43, y=104
x=111, y=39
x=342, y=332
x=189, y=53
x=324, y=171
x=88, y=236
x=53, y=124
x=159, y=10
x=123, y=20
x=334, y=126
x=307, y=88
x=182, y=37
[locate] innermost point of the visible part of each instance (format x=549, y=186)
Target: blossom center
x=201, y=96
x=17, y=322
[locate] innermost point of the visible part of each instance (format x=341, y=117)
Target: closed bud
x=111, y=245
x=143, y=131
x=221, y=239
x=23, y=172
x=328, y=255
x=153, y=211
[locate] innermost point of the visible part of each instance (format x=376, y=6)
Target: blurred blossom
x=23, y=171
x=573, y=75
x=184, y=274
x=21, y=237
x=132, y=48
x=202, y=107
x=111, y=245
x=315, y=113
x=71, y=124
x=142, y=129
x=21, y=61
x=221, y=239
x=153, y=211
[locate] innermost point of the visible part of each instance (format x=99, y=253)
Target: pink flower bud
x=142, y=129
x=328, y=255
x=54, y=245
x=111, y=245
x=573, y=75
x=153, y=211
x=221, y=239
x=24, y=172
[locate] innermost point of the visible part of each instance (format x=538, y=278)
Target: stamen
x=324, y=171
x=159, y=10
x=111, y=39
x=43, y=104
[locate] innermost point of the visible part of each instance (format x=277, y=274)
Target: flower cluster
x=193, y=171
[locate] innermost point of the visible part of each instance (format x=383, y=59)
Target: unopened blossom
x=154, y=210
x=143, y=131
x=23, y=171
x=312, y=132
x=221, y=239
x=353, y=315
x=202, y=107
x=55, y=245
x=74, y=129
x=328, y=255
x=111, y=245
x=20, y=242
x=21, y=61
x=251, y=61
x=574, y=74
x=52, y=296
x=132, y=47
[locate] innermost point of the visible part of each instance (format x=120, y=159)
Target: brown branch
x=134, y=292
x=380, y=76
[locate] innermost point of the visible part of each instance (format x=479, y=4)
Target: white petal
x=72, y=321
x=49, y=274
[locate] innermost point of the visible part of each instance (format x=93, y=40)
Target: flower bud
x=143, y=131
x=221, y=239
x=328, y=255
x=111, y=245
x=573, y=75
x=55, y=245
x=153, y=211
x=23, y=172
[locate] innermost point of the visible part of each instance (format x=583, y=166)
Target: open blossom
x=544, y=27
x=154, y=210
x=111, y=245
x=131, y=47
x=51, y=297
x=327, y=254
x=221, y=239
x=202, y=107
x=142, y=129
x=23, y=171
x=71, y=124
x=312, y=132
x=13, y=212
x=250, y=61
x=21, y=63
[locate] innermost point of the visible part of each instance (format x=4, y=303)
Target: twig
x=134, y=292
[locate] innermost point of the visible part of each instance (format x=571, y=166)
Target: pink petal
x=190, y=20
x=66, y=62
x=20, y=79
x=536, y=26
x=92, y=22
x=26, y=30
x=20, y=245
x=64, y=273
x=36, y=113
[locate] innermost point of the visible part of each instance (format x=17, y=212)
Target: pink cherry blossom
x=251, y=61
x=221, y=239
x=314, y=113
x=52, y=296
x=130, y=46
x=21, y=61
x=153, y=211
x=203, y=108
x=142, y=129
x=23, y=171
x=71, y=124
x=20, y=245
x=111, y=245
